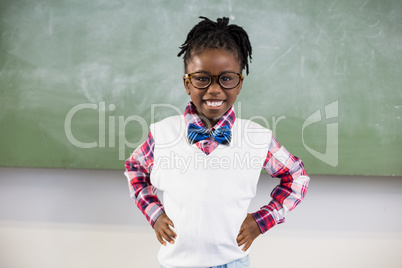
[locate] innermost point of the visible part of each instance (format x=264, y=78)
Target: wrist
x=264, y=220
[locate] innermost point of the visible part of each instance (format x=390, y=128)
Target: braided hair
x=208, y=34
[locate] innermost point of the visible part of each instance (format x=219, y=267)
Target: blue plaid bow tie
x=196, y=133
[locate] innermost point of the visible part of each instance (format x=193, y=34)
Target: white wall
x=85, y=218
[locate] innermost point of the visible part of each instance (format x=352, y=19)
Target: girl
x=204, y=215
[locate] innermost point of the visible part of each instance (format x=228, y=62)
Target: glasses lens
x=200, y=80
x=229, y=80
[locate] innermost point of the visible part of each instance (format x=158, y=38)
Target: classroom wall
x=85, y=218
x=80, y=80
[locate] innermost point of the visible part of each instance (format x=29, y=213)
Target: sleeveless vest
x=206, y=196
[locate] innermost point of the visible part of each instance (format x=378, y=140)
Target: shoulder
x=248, y=125
x=168, y=121
x=168, y=129
x=252, y=131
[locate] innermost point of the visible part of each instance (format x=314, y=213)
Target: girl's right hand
x=163, y=231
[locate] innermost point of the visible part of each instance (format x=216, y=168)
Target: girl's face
x=213, y=102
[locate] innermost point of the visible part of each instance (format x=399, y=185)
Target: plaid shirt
x=279, y=163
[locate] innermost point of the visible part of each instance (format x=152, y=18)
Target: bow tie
x=196, y=133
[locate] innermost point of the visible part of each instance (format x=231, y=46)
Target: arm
x=290, y=191
x=138, y=169
x=285, y=197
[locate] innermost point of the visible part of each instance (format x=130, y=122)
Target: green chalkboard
x=80, y=81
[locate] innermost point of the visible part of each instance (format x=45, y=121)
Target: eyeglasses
x=202, y=80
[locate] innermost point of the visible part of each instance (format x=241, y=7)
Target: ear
x=186, y=85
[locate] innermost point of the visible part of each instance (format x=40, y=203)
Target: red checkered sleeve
x=290, y=191
x=138, y=168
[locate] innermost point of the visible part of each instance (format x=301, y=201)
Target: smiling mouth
x=213, y=103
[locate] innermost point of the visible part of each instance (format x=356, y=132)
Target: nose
x=214, y=88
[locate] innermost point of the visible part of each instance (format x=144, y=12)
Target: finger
x=167, y=237
x=246, y=246
x=242, y=228
x=170, y=222
x=242, y=242
x=170, y=232
x=240, y=237
x=160, y=239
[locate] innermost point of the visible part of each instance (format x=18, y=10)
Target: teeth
x=214, y=103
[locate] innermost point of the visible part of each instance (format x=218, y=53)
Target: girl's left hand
x=249, y=231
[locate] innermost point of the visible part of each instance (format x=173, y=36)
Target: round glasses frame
x=213, y=76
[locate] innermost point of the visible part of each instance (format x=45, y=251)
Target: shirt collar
x=190, y=115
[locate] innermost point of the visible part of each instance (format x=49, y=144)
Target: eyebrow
x=227, y=71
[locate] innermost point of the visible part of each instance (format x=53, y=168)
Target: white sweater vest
x=206, y=196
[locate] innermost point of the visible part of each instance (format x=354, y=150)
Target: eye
x=202, y=78
x=226, y=78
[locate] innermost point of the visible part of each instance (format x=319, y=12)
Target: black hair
x=209, y=34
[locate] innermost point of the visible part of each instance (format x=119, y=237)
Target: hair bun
x=222, y=23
